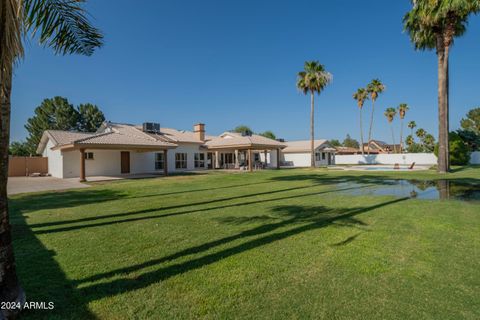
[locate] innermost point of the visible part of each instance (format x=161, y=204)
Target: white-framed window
x=88, y=155
x=180, y=161
x=324, y=155
x=159, y=161
x=317, y=156
x=256, y=157
x=199, y=160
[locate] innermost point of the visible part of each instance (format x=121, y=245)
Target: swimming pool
x=385, y=168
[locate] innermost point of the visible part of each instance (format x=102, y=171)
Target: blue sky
x=227, y=63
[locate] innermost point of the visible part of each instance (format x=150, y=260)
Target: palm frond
x=62, y=25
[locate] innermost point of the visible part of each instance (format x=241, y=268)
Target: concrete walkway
x=18, y=185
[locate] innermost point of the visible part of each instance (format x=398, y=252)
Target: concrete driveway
x=18, y=185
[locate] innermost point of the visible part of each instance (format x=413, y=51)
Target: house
x=347, y=150
x=298, y=154
x=377, y=146
x=118, y=148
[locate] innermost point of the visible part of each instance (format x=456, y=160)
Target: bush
x=459, y=151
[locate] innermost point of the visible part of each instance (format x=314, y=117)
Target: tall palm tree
x=313, y=79
x=361, y=96
x=410, y=140
x=402, y=110
x=421, y=133
x=374, y=88
x=434, y=24
x=62, y=25
x=412, y=125
x=390, y=114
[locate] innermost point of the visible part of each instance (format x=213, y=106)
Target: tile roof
x=303, y=145
x=233, y=139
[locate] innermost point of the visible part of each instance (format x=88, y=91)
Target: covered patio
x=236, y=151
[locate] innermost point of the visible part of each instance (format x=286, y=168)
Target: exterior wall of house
x=190, y=149
x=55, y=160
x=104, y=163
x=302, y=159
x=404, y=159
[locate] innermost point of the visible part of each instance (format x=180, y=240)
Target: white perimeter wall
x=406, y=159
x=475, y=157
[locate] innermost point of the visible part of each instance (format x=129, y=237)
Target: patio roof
x=233, y=140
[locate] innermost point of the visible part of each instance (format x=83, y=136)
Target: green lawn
x=272, y=244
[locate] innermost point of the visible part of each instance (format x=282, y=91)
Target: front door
x=125, y=162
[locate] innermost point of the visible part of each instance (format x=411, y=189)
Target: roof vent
x=151, y=127
x=280, y=140
x=246, y=133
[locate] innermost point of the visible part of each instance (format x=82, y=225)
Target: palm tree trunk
x=10, y=289
x=361, y=132
x=371, y=126
x=401, y=135
x=312, y=133
x=442, y=106
x=393, y=139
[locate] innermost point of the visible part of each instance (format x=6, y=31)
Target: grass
x=273, y=244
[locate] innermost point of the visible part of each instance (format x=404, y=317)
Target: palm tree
x=421, y=133
x=361, y=96
x=62, y=25
x=314, y=78
x=390, y=114
x=434, y=25
x=412, y=125
x=402, y=110
x=374, y=88
x=428, y=142
x=410, y=140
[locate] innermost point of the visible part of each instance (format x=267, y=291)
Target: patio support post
x=250, y=165
x=217, y=160
x=237, y=164
x=82, y=165
x=266, y=163
x=165, y=163
x=278, y=158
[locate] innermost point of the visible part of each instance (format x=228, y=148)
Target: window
x=317, y=156
x=159, y=161
x=88, y=155
x=180, y=161
x=324, y=156
x=256, y=157
x=199, y=160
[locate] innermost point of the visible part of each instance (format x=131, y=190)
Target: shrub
x=459, y=151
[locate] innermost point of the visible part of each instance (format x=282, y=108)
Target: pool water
x=420, y=189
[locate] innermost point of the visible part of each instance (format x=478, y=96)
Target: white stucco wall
x=190, y=150
x=405, y=159
x=55, y=160
x=108, y=162
x=303, y=159
x=475, y=157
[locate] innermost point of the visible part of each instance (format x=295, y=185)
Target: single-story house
x=380, y=147
x=347, y=150
x=130, y=149
x=298, y=153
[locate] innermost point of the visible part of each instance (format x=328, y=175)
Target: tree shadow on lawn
x=158, y=216
x=42, y=277
x=300, y=218
x=316, y=179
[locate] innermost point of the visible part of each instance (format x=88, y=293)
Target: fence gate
x=25, y=166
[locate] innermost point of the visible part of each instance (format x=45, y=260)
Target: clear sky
x=227, y=63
